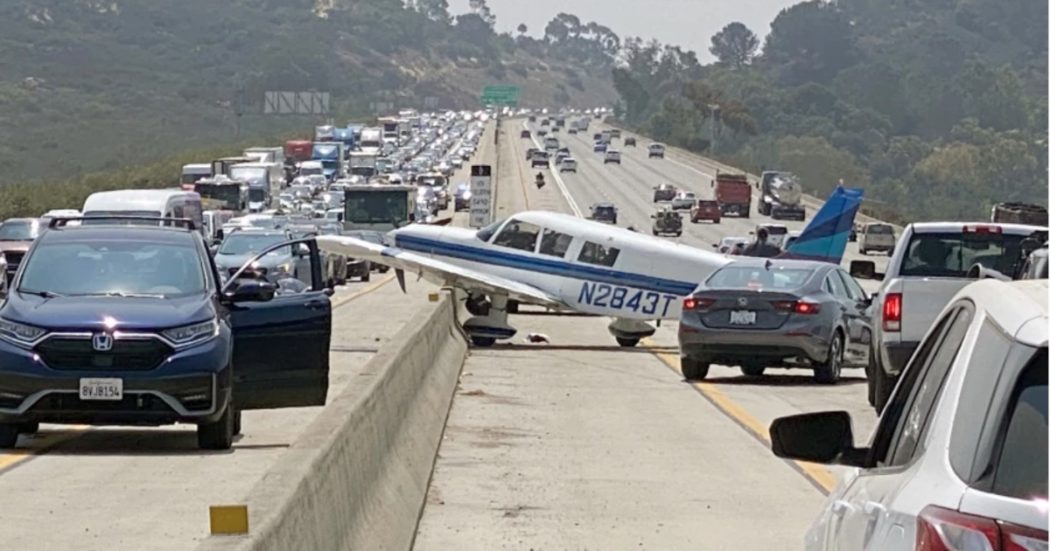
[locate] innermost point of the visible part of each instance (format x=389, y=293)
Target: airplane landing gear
x=629, y=332
x=488, y=327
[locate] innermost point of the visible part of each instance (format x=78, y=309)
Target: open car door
x=280, y=346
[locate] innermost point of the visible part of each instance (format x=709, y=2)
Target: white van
x=193, y=172
x=166, y=203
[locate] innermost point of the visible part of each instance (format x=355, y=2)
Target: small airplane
x=567, y=263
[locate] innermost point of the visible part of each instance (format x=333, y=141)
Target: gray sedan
x=759, y=313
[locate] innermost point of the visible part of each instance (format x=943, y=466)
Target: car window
x=758, y=277
x=518, y=235
x=853, y=289
x=951, y=254
x=1020, y=468
x=554, y=243
x=934, y=370
x=891, y=415
x=593, y=253
x=834, y=285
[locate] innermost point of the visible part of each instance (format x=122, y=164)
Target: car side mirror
x=251, y=290
x=214, y=249
x=824, y=437
x=862, y=269
x=302, y=251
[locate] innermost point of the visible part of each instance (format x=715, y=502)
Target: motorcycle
x=539, y=181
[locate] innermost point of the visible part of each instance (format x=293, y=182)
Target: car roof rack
x=63, y=221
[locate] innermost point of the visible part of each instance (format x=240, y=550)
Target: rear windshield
x=758, y=277
x=23, y=230
x=880, y=229
x=776, y=230
x=952, y=254
x=1021, y=465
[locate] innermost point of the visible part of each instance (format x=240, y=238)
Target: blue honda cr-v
x=129, y=324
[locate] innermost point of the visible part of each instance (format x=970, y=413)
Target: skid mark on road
x=821, y=478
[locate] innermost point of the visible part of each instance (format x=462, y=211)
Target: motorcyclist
x=760, y=247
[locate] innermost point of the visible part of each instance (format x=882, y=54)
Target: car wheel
x=753, y=370
x=483, y=342
x=869, y=375
x=8, y=435
x=884, y=383
x=217, y=435
x=29, y=428
x=627, y=342
x=694, y=370
x=829, y=371
x=237, y=422
x=367, y=276
x=864, y=252
x=717, y=220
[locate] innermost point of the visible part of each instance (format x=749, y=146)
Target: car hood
x=98, y=313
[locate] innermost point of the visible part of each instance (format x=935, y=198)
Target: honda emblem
x=102, y=342
x=741, y=301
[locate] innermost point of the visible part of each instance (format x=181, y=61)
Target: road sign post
x=480, y=195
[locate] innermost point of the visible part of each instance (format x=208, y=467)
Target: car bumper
x=734, y=347
x=894, y=357
x=192, y=385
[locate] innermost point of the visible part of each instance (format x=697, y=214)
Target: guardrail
x=358, y=476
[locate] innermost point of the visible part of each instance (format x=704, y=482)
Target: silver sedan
x=758, y=313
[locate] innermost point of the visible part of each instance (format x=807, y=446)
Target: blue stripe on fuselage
x=540, y=265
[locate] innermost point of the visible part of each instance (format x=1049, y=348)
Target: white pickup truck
x=930, y=263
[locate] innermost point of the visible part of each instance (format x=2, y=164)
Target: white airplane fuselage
x=646, y=280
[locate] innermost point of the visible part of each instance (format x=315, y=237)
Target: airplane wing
x=437, y=271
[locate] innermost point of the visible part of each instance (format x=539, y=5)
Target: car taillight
x=693, y=303
x=982, y=229
x=892, y=307
x=940, y=529
x=803, y=307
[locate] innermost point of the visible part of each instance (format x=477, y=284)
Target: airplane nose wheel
x=627, y=343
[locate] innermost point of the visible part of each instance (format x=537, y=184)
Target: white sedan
x=683, y=200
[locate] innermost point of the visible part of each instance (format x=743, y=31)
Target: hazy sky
x=687, y=23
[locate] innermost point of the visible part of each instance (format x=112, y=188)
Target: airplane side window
x=518, y=235
x=593, y=253
x=554, y=243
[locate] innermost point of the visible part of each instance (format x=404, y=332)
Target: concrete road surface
x=580, y=444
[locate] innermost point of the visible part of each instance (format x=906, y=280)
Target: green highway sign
x=501, y=95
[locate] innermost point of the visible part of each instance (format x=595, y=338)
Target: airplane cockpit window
x=593, y=253
x=485, y=233
x=554, y=243
x=518, y=235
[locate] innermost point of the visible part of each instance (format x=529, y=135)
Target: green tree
x=811, y=41
x=734, y=45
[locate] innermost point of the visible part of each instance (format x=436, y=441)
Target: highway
x=150, y=488
x=579, y=444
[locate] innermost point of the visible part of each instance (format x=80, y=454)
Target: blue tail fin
x=825, y=237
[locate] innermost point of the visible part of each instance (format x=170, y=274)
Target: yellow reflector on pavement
x=228, y=519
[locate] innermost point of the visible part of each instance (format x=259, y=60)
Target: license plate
x=742, y=317
x=101, y=389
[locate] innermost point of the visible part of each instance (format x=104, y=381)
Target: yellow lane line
x=48, y=441
x=817, y=474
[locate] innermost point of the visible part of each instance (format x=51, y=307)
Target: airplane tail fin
x=826, y=235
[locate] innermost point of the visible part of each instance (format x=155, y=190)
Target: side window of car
x=934, y=371
x=834, y=285
x=853, y=289
x=518, y=235
x=593, y=253
x=892, y=414
x=554, y=243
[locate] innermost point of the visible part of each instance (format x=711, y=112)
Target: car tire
x=627, y=342
x=884, y=383
x=8, y=435
x=753, y=370
x=217, y=435
x=367, y=276
x=869, y=375
x=237, y=422
x=829, y=371
x=694, y=370
x=31, y=427
x=483, y=342
x=864, y=252
x=679, y=234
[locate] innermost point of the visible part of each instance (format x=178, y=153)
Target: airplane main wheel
x=483, y=342
x=627, y=342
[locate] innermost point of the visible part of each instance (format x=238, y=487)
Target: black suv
x=131, y=325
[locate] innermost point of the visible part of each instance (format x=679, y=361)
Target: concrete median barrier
x=358, y=476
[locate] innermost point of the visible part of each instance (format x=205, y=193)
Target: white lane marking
x=696, y=170
x=557, y=177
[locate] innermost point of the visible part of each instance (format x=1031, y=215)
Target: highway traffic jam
x=194, y=304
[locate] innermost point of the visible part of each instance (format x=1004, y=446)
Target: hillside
x=91, y=84
x=938, y=108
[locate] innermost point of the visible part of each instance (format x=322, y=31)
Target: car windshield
x=19, y=230
x=117, y=267
x=759, y=277
x=880, y=229
x=117, y=215
x=952, y=254
x=245, y=243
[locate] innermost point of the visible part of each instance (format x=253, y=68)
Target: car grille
x=74, y=353
x=14, y=258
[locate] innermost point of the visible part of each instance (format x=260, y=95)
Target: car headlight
x=18, y=333
x=192, y=334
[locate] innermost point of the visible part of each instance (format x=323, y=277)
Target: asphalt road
x=108, y=488
x=579, y=444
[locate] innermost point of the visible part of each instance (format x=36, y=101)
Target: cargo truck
x=265, y=181
x=363, y=163
x=299, y=150
x=733, y=194
x=781, y=196
x=381, y=207
x=1019, y=213
x=332, y=159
